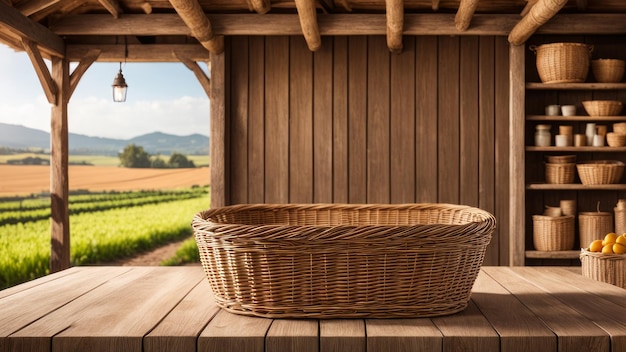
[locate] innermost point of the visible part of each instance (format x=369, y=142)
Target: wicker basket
x=619, y=127
x=561, y=159
x=562, y=62
x=560, y=173
x=342, y=261
x=616, y=139
x=609, y=268
x=608, y=70
x=600, y=172
x=602, y=107
x=553, y=233
x=593, y=226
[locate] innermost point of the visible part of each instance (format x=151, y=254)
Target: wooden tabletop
x=172, y=309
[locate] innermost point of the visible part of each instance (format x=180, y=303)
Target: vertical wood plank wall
x=353, y=123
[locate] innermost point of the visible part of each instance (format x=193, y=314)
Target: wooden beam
x=308, y=21
x=517, y=189
x=48, y=85
x=205, y=82
x=11, y=20
x=219, y=140
x=146, y=7
x=464, y=14
x=435, y=5
x=344, y=4
x=80, y=70
x=139, y=52
x=260, y=6
x=33, y=6
x=192, y=14
x=529, y=5
x=395, y=25
x=538, y=15
x=59, y=171
x=112, y=6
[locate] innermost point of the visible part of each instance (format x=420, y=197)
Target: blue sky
x=164, y=97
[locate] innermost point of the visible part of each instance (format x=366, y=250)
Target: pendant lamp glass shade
x=119, y=87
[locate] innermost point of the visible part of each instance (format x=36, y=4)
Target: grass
x=97, y=160
x=185, y=254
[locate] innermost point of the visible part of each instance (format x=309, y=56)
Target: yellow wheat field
x=28, y=179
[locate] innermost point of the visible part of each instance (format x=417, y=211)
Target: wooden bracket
x=205, y=82
x=82, y=67
x=308, y=21
x=43, y=73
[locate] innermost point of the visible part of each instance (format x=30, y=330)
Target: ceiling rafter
x=260, y=6
x=112, y=6
x=192, y=14
x=308, y=21
x=538, y=15
x=465, y=13
x=33, y=6
x=395, y=25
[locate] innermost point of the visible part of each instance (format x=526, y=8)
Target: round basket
x=609, y=268
x=619, y=127
x=608, y=70
x=603, y=107
x=600, y=172
x=616, y=139
x=561, y=159
x=560, y=173
x=553, y=233
x=562, y=62
x=593, y=226
x=342, y=260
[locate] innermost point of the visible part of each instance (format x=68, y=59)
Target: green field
x=104, y=227
x=97, y=160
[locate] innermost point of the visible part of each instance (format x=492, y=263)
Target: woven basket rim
x=601, y=163
x=586, y=252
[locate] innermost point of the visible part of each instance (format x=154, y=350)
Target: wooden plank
x=109, y=325
x=402, y=335
x=378, y=178
x=342, y=335
x=524, y=333
x=239, y=129
x=180, y=329
x=256, y=121
x=276, y=120
x=300, y=122
x=138, y=52
x=426, y=119
x=486, y=142
x=229, y=332
x=323, y=142
x=402, y=125
x=469, y=88
x=292, y=335
x=574, y=331
x=218, y=147
x=340, y=120
x=38, y=281
x=448, y=126
x=457, y=336
x=357, y=109
x=517, y=226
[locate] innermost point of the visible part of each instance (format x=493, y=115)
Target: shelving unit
x=532, y=195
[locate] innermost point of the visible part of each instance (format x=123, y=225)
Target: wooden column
x=517, y=203
x=59, y=182
x=219, y=142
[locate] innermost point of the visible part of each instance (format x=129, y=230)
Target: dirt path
x=151, y=258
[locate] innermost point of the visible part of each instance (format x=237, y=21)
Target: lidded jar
x=543, y=136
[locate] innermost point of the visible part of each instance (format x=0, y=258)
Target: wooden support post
x=205, y=82
x=59, y=183
x=517, y=228
x=395, y=25
x=308, y=21
x=219, y=139
x=192, y=14
x=538, y=15
x=465, y=13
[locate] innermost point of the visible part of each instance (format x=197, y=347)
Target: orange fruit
x=621, y=240
x=619, y=248
x=596, y=246
x=609, y=238
x=607, y=249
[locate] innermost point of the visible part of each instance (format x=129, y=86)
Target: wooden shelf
x=575, y=187
x=576, y=149
x=575, y=86
x=574, y=118
x=553, y=255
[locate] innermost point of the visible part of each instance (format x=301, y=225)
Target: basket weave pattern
x=333, y=260
x=608, y=70
x=600, y=172
x=552, y=233
x=603, y=107
x=560, y=173
x=609, y=268
x=563, y=62
x=593, y=226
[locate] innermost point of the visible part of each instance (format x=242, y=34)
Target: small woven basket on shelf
x=553, y=233
x=609, y=268
x=619, y=127
x=593, y=225
x=561, y=159
x=562, y=62
x=600, y=172
x=608, y=70
x=603, y=107
x=615, y=139
x=560, y=173
x=342, y=260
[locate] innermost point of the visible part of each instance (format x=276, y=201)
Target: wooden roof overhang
x=192, y=31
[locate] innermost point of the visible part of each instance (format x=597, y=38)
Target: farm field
x=20, y=180
x=96, y=160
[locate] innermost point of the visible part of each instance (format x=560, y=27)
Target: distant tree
x=158, y=163
x=134, y=156
x=178, y=160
